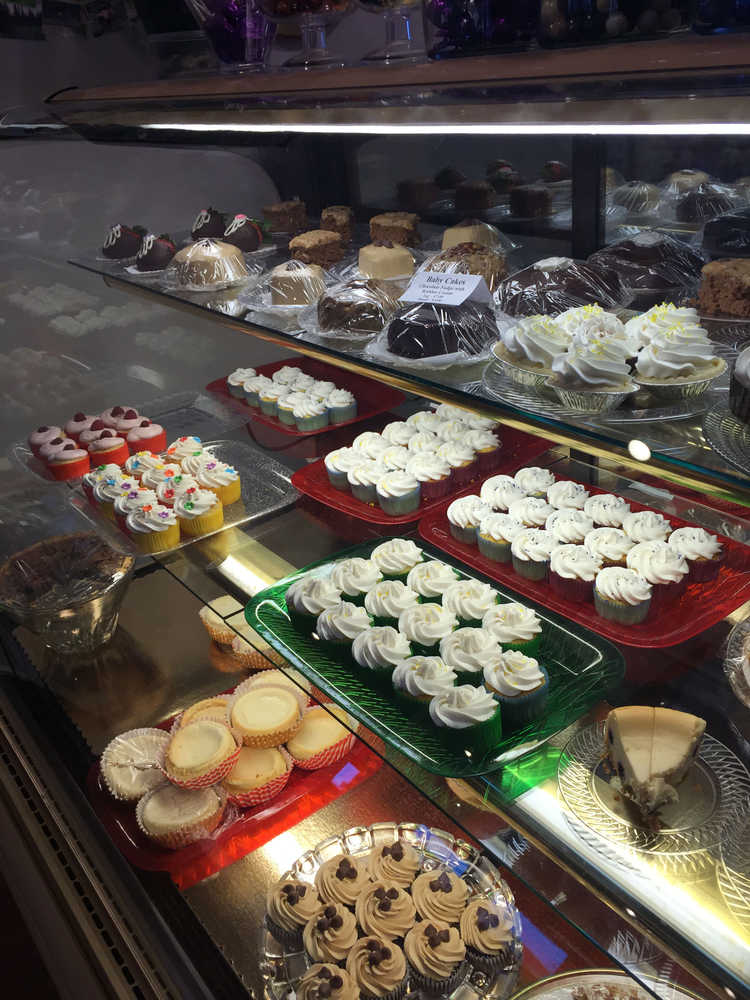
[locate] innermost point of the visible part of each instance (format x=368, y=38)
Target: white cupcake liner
x=264, y=793
x=190, y=833
x=148, y=748
x=332, y=754
x=212, y=777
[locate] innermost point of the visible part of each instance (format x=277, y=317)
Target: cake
x=471, y=231
x=417, y=194
x=360, y=306
x=471, y=258
x=244, y=233
x=209, y=223
x=338, y=219
x=122, y=241
x=530, y=201
x=704, y=202
x=681, y=181
x=155, y=253
x=448, y=177
x=651, y=750
x=725, y=288
x=474, y=195
x=552, y=285
x=424, y=330
x=728, y=235
x=296, y=284
x=396, y=227
x=385, y=259
x=318, y=246
x=286, y=216
x=208, y=262
x=637, y=197
x=650, y=261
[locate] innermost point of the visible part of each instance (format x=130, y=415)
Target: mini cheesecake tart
x=198, y=751
x=175, y=817
x=321, y=729
x=255, y=767
x=265, y=716
x=214, y=709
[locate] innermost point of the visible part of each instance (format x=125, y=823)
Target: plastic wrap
x=283, y=292
x=427, y=336
x=727, y=236
x=471, y=258
x=552, y=285
x=208, y=265
x=383, y=261
x=652, y=267
x=705, y=202
x=358, y=308
x=637, y=197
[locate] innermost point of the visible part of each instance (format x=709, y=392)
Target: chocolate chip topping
x=336, y=982
x=323, y=924
x=377, y=953
x=392, y=894
x=78, y=417
x=485, y=919
x=434, y=936
x=345, y=870
x=117, y=411
x=337, y=922
x=384, y=905
x=441, y=884
x=396, y=851
x=293, y=893
x=324, y=972
x=330, y=911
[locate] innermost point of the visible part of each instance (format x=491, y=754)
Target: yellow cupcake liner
x=263, y=793
x=203, y=525
x=106, y=507
x=188, y=834
x=148, y=542
x=229, y=493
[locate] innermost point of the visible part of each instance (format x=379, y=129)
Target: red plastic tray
x=518, y=449
x=305, y=793
x=372, y=397
x=699, y=607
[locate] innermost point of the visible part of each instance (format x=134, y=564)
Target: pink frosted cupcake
x=71, y=462
x=77, y=424
x=51, y=448
x=146, y=436
x=109, y=448
x=113, y=414
x=42, y=435
x=125, y=423
x=92, y=433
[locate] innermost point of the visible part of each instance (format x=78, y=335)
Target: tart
x=321, y=730
x=254, y=768
x=207, y=708
x=265, y=716
x=198, y=751
x=175, y=817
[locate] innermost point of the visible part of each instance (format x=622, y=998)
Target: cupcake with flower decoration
x=146, y=434
x=129, y=501
x=94, y=475
x=222, y=479
x=182, y=447
x=159, y=474
x=168, y=491
x=153, y=528
x=198, y=511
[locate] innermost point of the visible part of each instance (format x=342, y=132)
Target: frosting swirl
x=533, y=545
x=646, y=526
x=309, y=407
x=171, y=488
x=380, y=648
x=500, y=492
x=481, y=440
x=366, y=472
x=312, y=595
x=575, y=562
x=639, y=330
x=394, y=457
x=610, y=544
x=448, y=430
x=369, y=443
x=679, y=350
x=431, y=578
x=375, y=966
x=355, y=576
x=342, y=621
x=187, y=445
x=341, y=879
x=567, y=494
x=340, y=397
x=194, y=502
x=397, y=483
x=469, y=599
x=425, y=420
x=156, y=474
x=441, y=896
x=424, y=441
x=607, y=510
x=150, y=517
x=240, y=375
x=657, y=562
x=338, y=984
x=456, y=453
x=426, y=624
x=389, y=598
x=461, y=707
x=486, y=927
x=422, y=677
x=500, y=527
x=109, y=489
x=531, y=511
x=290, y=903
x=384, y=909
x=533, y=480
x=137, y=464
x=330, y=933
x=397, y=863
x=397, y=555
x=513, y=674
x=398, y=432
x=468, y=649
x=616, y=583
x=467, y=512
x=133, y=499
x=342, y=459
x=695, y=543
x=434, y=949
x=512, y=622
x=287, y=375
x=215, y=474
x=568, y=524
x=537, y=339
x=428, y=467
x=594, y=362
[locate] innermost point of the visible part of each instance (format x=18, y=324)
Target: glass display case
x=535, y=211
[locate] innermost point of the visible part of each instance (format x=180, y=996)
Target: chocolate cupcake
x=379, y=969
x=487, y=932
x=289, y=905
x=440, y=896
x=330, y=933
x=385, y=910
x=325, y=982
x=398, y=863
x=436, y=956
x=341, y=879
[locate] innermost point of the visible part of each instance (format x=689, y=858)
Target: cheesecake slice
x=651, y=750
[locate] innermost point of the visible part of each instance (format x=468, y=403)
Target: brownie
x=474, y=195
x=505, y=178
x=338, y=219
x=728, y=235
x=426, y=330
x=651, y=261
x=362, y=305
x=209, y=222
x=318, y=246
x=705, y=202
x=395, y=227
x=558, y=283
x=725, y=288
x=448, y=178
x=417, y=194
x=286, y=216
x=530, y=201
x=555, y=170
x=471, y=258
x=637, y=196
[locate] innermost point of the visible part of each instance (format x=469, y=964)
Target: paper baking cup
x=332, y=754
x=248, y=657
x=675, y=390
x=270, y=677
x=264, y=793
x=269, y=739
x=177, y=721
x=519, y=375
x=189, y=834
x=212, y=777
x=590, y=400
x=148, y=748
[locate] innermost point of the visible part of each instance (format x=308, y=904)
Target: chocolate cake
x=244, y=233
x=555, y=170
x=155, y=253
x=362, y=305
x=208, y=222
x=395, y=227
x=555, y=284
x=448, y=178
x=650, y=263
x=426, y=330
x=122, y=241
x=728, y=235
x=286, y=216
x=725, y=288
x=685, y=180
x=318, y=246
x=471, y=258
x=338, y=219
x=472, y=196
x=704, y=202
x=530, y=201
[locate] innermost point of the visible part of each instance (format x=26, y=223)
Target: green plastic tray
x=582, y=668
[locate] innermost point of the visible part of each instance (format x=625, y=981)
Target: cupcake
x=495, y=534
x=126, y=503
x=337, y=627
x=43, y=435
x=160, y=473
x=432, y=578
x=397, y=862
x=611, y=545
x=436, y=956
x=606, y=510
x=310, y=415
x=462, y=460
x=125, y=422
x=55, y=446
x=385, y=909
x=321, y=736
x=394, y=457
x=532, y=512
x=369, y=444
x=72, y=462
x=514, y=626
x=237, y=379
x=198, y=512
x=146, y=434
x=468, y=717
x=362, y=479
x=568, y=525
x=174, y=817
x=468, y=600
x=286, y=405
x=567, y=494
x=464, y=516
x=222, y=479
x=341, y=879
x=450, y=429
x=203, y=752
x=702, y=550
x=440, y=896
x=269, y=397
x=308, y=597
x=288, y=375
x=168, y=491
x=424, y=625
x=111, y=416
x=137, y=464
x=520, y=685
x=487, y=448
x=322, y=388
x=387, y=600
x=499, y=492
x=622, y=595
x=330, y=934
x=398, y=432
x=132, y=763
x=398, y=493
x=265, y=716
x=396, y=557
x=487, y=931
x=423, y=441
x=338, y=463
x=433, y=474
x=153, y=528
x=466, y=651
x=92, y=433
x=109, y=448
x=342, y=406
x=253, y=387
x=646, y=526
x=572, y=571
x=77, y=424
x=530, y=553
x=354, y=577
x=534, y=481
x=378, y=968
x=93, y=476
x=663, y=567
x=678, y=362
x=379, y=650
x=330, y=981
x=425, y=420
x=107, y=490
x=418, y=679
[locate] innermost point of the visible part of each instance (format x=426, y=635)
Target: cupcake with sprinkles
x=183, y=447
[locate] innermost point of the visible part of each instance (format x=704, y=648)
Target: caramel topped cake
x=338, y=219
x=286, y=216
x=472, y=258
x=725, y=288
x=318, y=246
x=396, y=227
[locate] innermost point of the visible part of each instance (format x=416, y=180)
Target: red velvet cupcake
x=109, y=448
x=77, y=424
x=71, y=462
x=43, y=435
x=147, y=436
x=572, y=572
x=434, y=475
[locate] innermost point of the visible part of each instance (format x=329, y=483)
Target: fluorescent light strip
x=609, y=128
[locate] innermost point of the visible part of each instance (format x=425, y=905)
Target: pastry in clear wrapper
x=428, y=330
x=472, y=231
x=471, y=258
x=207, y=264
x=132, y=763
x=362, y=306
x=296, y=283
x=384, y=260
x=318, y=246
x=552, y=285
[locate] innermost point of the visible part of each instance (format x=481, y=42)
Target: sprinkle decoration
x=163, y=514
x=133, y=494
x=147, y=507
x=168, y=473
x=189, y=505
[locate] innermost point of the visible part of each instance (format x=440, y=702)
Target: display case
x=563, y=157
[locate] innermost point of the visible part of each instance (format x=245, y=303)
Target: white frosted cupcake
x=607, y=510
x=309, y=596
x=530, y=553
x=572, y=571
x=432, y=578
x=468, y=600
x=338, y=464
x=388, y=599
x=534, y=481
x=464, y=516
x=424, y=441
x=467, y=650
x=398, y=432
x=500, y=492
x=182, y=447
x=379, y=649
x=663, y=566
x=514, y=626
x=702, y=550
x=394, y=457
x=569, y=525
x=646, y=526
x=611, y=545
x=567, y=494
x=369, y=443
x=424, y=625
x=531, y=511
x=418, y=679
x=519, y=684
x=398, y=493
x=622, y=595
x=495, y=534
x=354, y=577
x=338, y=626
x=396, y=557
x=363, y=479
x=425, y=420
